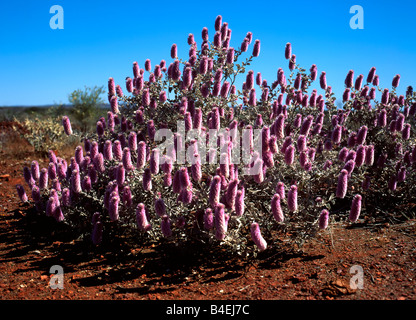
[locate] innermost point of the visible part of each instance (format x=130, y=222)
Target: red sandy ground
x=321, y=270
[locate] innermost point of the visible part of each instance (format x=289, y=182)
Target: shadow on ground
x=41, y=242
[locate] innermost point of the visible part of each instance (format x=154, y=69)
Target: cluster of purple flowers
x=306, y=144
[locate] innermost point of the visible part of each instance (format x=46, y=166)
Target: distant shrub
x=44, y=134
x=86, y=106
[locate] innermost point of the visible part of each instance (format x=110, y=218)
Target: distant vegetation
x=41, y=126
x=86, y=106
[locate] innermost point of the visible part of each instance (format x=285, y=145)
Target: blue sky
x=101, y=39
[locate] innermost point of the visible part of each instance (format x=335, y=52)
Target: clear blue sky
x=101, y=39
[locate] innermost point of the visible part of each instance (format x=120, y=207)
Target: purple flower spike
x=249, y=80
x=95, y=218
x=174, y=51
x=52, y=156
x=218, y=23
x=36, y=194
x=154, y=161
x=67, y=125
x=176, y=183
x=323, y=219
x=406, y=131
x=196, y=168
x=256, y=48
x=371, y=75
x=360, y=155
x=230, y=56
x=392, y=183
x=79, y=155
x=239, y=203
x=76, y=182
x=355, y=208
x=28, y=176
x=382, y=118
x=342, y=184
x=288, y=50
x=385, y=96
x=99, y=163
x=342, y=155
x=119, y=91
x=66, y=197
x=166, y=226
x=43, y=178
x=280, y=189
x=290, y=155
x=151, y=129
x=132, y=141
x=292, y=198
x=141, y=155
x=120, y=174
x=301, y=143
x=100, y=128
x=359, y=82
x=111, y=87
x=86, y=183
x=376, y=81
x=22, y=193
x=208, y=219
x=225, y=89
x=92, y=172
x=186, y=195
x=148, y=65
x=147, y=179
x=204, y=34
x=117, y=151
x=231, y=194
x=129, y=84
x=257, y=237
x=160, y=207
x=362, y=135
x=220, y=222
x=141, y=218
x=400, y=122
x=184, y=179
x=50, y=207
x=292, y=62
x=349, y=166
x=214, y=191
x=322, y=80
x=314, y=72
x=349, y=80
x=396, y=81
x=114, y=105
x=34, y=170
x=126, y=159
x=113, y=209
x=369, y=156
x=244, y=45
x=401, y=175
x=167, y=179
x=252, y=100
x=276, y=208
x=108, y=150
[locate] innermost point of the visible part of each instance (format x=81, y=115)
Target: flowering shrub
x=43, y=134
x=185, y=154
